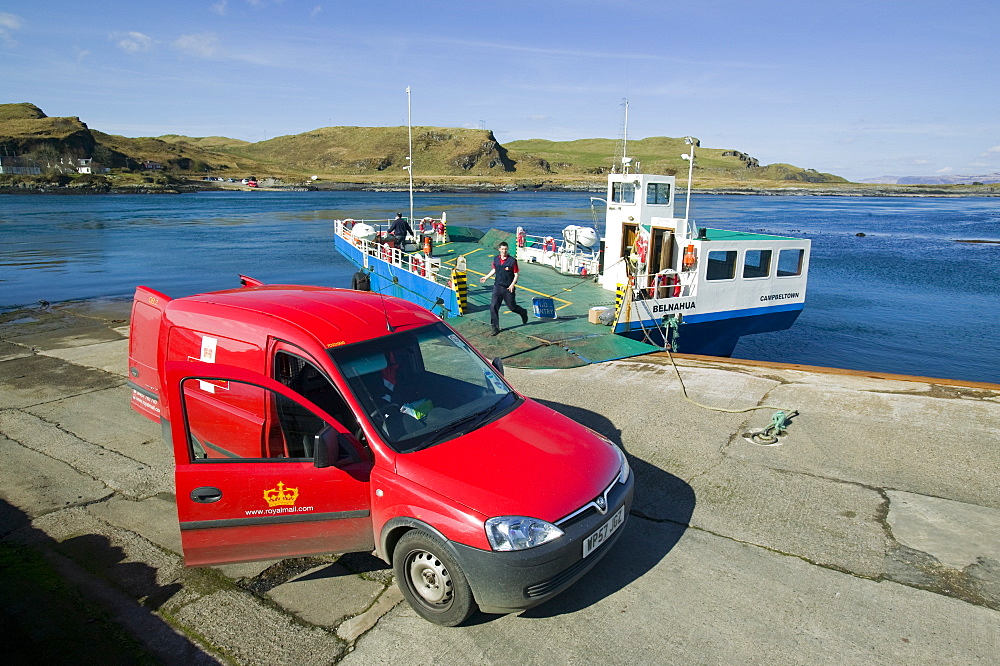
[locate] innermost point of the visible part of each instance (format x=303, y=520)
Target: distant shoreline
x=484, y=187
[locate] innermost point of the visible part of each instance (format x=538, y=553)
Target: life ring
x=425, y=224
x=418, y=265
x=666, y=280
x=520, y=237
x=348, y=224
x=549, y=245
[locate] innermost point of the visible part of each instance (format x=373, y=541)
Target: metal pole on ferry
x=689, y=140
x=409, y=158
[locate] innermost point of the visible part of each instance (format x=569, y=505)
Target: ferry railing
x=414, y=263
x=557, y=253
x=663, y=285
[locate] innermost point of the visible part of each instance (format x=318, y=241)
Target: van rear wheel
x=431, y=580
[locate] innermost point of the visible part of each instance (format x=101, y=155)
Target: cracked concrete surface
x=870, y=534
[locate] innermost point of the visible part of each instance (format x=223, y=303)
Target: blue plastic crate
x=545, y=308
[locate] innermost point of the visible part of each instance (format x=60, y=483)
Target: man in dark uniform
x=505, y=269
x=399, y=230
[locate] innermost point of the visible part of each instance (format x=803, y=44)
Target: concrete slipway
x=871, y=534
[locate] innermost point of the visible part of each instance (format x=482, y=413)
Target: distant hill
x=206, y=142
x=935, y=180
x=445, y=151
x=655, y=155
x=381, y=152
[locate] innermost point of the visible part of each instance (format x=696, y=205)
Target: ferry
x=649, y=280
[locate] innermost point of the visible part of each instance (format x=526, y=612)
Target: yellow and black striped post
x=619, y=298
x=461, y=286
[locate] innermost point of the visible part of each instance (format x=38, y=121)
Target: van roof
x=334, y=316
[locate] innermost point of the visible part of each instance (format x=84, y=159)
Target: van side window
x=306, y=379
x=232, y=420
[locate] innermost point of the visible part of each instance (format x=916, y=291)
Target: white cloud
x=8, y=24
x=220, y=7
x=944, y=170
x=202, y=45
x=991, y=153
x=316, y=11
x=133, y=42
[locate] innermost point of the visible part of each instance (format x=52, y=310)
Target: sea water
x=907, y=296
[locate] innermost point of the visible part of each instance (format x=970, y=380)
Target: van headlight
x=623, y=470
x=507, y=533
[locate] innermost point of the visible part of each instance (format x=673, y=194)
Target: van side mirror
x=498, y=364
x=332, y=447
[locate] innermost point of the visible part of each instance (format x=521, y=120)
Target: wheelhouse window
x=756, y=263
x=658, y=193
x=623, y=193
x=790, y=262
x=721, y=265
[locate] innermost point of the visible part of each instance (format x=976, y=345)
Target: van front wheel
x=431, y=580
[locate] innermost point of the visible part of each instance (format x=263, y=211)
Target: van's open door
x=261, y=472
x=143, y=347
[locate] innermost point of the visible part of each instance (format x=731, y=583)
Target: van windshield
x=423, y=387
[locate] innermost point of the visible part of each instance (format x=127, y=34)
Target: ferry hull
x=715, y=334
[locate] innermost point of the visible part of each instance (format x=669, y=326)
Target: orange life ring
x=520, y=237
x=549, y=245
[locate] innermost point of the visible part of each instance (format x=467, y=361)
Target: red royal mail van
x=308, y=420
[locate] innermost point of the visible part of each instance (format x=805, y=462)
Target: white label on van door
x=209, y=346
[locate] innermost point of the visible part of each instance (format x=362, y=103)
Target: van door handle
x=206, y=494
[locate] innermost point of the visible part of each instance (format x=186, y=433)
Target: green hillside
x=437, y=151
x=655, y=155
x=22, y=111
x=379, y=155
x=205, y=142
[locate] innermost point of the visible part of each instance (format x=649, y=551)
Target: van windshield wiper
x=460, y=427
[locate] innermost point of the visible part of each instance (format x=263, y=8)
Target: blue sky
x=859, y=89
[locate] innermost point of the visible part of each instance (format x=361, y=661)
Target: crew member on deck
x=399, y=230
x=506, y=271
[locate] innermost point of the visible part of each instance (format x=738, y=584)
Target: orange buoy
x=689, y=257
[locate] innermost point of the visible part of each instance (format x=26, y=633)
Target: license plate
x=603, y=532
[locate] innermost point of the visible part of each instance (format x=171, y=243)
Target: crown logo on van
x=281, y=496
